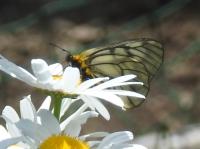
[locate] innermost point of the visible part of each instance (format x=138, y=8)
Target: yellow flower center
x=63, y=142
x=57, y=77
x=15, y=147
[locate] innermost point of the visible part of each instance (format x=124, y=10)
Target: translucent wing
x=141, y=57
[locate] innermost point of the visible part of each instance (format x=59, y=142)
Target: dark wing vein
x=141, y=57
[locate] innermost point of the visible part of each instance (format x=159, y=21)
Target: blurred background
x=172, y=106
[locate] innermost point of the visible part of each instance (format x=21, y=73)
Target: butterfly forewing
x=141, y=57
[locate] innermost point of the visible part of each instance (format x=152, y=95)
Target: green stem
x=57, y=105
x=57, y=100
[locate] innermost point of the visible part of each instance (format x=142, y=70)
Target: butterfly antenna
x=54, y=45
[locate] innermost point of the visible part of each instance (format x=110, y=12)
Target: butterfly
x=141, y=57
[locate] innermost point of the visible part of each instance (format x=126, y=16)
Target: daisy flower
x=11, y=134
x=30, y=118
x=66, y=83
x=50, y=134
x=47, y=77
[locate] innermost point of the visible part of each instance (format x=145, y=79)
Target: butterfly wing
x=141, y=57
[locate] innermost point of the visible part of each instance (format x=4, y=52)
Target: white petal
x=101, y=86
x=125, y=93
x=46, y=103
x=71, y=79
x=122, y=146
x=49, y=121
x=101, y=108
x=87, y=84
x=11, y=127
x=8, y=142
x=74, y=127
x=41, y=71
x=114, y=99
x=16, y=71
x=85, y=116
x=95, y=103
x=137, y=146
x=116, y=138
x=56, y=69
x=13, y=130
x=94, y=135
x=27, y=109
x=128, y=146
x=87, y=101
x=93, y=144
x=10, y=113
x=66, y=102
x=4, y=133
x=73, y=116
x=33, y=130
x=114, y=81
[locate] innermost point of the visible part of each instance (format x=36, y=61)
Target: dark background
x=28, y=26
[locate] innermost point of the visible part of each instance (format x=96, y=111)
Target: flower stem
x=57, y=101
x=57, y=98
